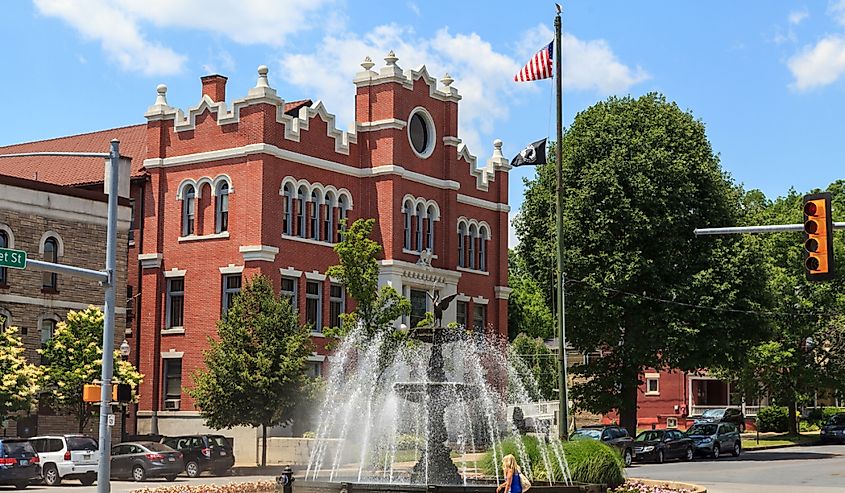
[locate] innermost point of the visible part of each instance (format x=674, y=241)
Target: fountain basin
x=470, y=487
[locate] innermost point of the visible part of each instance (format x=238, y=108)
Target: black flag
x=533, y=154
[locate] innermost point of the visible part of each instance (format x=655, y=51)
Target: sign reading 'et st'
x=16, y=259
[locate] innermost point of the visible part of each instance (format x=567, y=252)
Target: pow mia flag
x=533, y=154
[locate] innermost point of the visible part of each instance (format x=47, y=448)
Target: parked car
x=142, y=460
x=203, y=453
x=19, y=464
x=714, y=438
x=723, y=415
x=67, y=457
x=659, y=445
x=834, y=430
x=614, y=436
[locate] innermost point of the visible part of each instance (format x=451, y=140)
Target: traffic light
x=818, y=237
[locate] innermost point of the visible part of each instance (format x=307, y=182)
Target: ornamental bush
x=773, y=418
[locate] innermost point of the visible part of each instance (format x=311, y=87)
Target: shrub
x=773, y=418
x=309, y=434
x=589, y=461
x=820, y=415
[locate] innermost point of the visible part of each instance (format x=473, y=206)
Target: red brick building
x=223, y=191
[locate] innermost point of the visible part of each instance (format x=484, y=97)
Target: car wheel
x=138, y=473
x=192, y=469
x=627, y=457
x=88, y=479
x=170, y=477
x=690, y=454
x=660, y=457
x=737, y=449
x=51, y=475
x=21, y=485
x=717, y=450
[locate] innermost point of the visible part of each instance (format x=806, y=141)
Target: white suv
x=67, y=457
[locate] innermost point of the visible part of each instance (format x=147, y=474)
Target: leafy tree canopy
x=19, y=380
x=528, y=310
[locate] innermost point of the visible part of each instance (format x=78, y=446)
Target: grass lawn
x=749, y=440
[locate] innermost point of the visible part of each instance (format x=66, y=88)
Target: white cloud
x=818, y=65
x=483, y=75
x=836, y=9
x=796, y=16
x=413, y=7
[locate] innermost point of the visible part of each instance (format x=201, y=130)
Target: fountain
x=398, y=408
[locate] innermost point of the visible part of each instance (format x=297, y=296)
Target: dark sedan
x=659, y=445
x=18, y=462
x=834, y=430
x=142, y=460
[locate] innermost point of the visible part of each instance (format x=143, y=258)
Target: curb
x=786, y=445
x=275, y=470
x=692, y=488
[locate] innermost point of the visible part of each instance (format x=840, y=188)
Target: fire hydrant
x=284, y=483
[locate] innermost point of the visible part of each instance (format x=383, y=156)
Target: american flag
x=539, y=67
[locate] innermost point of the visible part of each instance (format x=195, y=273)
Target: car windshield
x=702, y=429
x=713, y=413
x=217, y=441
x=157, y=447
x=650, y=436
x=13, y=448
x=81, y=443
x=587, y=433
x=836, y=419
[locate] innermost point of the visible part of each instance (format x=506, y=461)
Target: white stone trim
x=171, y=331
x=651, y=375
x=502, y=292
x=232, y=269
x=51, y=303
x=416, y=253
x=290, y=272
x=473, y=271
x=212, y=236
x=60, y=243
x=61, y=207
x=463, y=297
x=392, y=73
x=417, y=273
x=174, y=272
x=316, y=357
x=323, y=191
x=271, y=150
x=484, y=204
x=431, y=131
x=450, y=140
x=9, y=234
x=426, y=204
x=480, y=300
x=478, y=225
x=259, y=253
x=388, y=123
x=308, y=240
x=150, y=260
x=315, y=276
x=172, y=354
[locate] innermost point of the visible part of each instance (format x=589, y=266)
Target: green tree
x=19, y=380
x=72, y=358
x=639, y=177
x=539, y=360
x=255, y=370
x=528, y=311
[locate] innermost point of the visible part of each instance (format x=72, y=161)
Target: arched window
x=315, y=216
x=287, y=203
x=407, y=212
x=429, y=232
x=420, y=217
x=300, y=213
x=50, y=280
x=328, y=218
x=462, y=245
x=189, y=210
x=343, y=211
x=473, y=234
x=222, y=208
x=4, y=272
x=482, y=248
x=5, y=319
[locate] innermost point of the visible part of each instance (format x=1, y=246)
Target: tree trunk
x=793, y=417
x=263, y=445
x=628, y=402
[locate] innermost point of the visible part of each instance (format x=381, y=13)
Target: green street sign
x=16, y=259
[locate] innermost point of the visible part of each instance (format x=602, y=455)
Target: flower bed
x=250, y=487
x=651, y=486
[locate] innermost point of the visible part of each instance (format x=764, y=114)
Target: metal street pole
x=103, y=485
x=563, y=411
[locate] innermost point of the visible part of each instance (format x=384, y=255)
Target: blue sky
x=766, y=77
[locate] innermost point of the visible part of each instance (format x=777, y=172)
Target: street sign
x=16, y=259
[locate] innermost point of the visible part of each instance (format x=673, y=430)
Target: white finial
x=497, y=144
x=161, y=99
x=367, y=63
x=262, y=76
x=391, y=58
x=447, y=80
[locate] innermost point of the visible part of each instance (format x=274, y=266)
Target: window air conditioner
x=172, y=404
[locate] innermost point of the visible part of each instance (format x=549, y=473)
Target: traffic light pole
x=773, y=228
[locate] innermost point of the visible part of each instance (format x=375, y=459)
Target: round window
x=421, y=134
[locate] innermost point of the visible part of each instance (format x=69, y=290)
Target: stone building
x=55, y=224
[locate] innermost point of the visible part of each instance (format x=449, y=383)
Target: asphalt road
x=812, y=469
x=127, y=486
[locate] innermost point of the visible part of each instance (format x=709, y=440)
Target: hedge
x=773, y=418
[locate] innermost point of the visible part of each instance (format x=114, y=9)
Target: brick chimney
x=214, y=86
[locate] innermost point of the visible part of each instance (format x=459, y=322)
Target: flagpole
x=563, y=397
